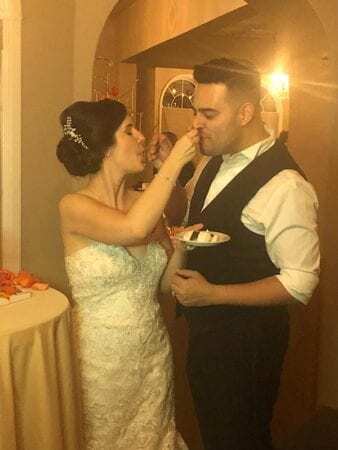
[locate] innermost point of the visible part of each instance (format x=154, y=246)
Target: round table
x=38, y=398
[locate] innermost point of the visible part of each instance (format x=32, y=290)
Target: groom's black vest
x=244, y=258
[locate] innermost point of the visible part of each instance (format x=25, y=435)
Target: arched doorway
x=175, y=113
x=10, y=15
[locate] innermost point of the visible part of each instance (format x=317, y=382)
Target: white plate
x=222, y=238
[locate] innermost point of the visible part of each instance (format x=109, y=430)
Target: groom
x=235, y=295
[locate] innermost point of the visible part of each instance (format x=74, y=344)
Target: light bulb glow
x=278, y=84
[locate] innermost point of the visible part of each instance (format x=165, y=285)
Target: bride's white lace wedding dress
x=123, y=349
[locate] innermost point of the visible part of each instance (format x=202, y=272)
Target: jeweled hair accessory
x=70, y=131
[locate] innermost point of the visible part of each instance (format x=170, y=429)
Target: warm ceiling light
x=278, y=84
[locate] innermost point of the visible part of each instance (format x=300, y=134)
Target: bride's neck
x=109, y=189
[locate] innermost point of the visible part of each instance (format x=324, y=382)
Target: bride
x=116, y=253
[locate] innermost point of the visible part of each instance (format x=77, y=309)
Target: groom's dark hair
x=240, y=77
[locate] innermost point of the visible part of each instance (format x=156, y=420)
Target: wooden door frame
x=11, y=16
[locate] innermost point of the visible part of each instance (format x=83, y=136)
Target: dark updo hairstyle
x=89, y=131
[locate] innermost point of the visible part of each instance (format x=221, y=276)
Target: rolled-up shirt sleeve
x=285, y=211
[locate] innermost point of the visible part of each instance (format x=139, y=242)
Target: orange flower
x=10, y=283
x=25, y=279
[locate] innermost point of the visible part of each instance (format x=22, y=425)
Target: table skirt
x=39, y=408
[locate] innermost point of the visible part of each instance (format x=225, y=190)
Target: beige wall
x=109, y=76
x=90, y=18
x=328, y=376
x=47, y=71
x=57, y=66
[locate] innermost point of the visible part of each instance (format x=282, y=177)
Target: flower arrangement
x=14, y=283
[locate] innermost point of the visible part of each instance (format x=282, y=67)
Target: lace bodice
x=102, y=275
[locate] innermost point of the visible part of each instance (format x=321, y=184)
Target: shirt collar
x=250, y=153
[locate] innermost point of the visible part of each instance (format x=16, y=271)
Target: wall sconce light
x=278, y=84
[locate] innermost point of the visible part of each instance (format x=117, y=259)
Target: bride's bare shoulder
x=76, y=202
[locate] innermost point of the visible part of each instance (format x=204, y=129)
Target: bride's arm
x=87, y=217
x=177, y=261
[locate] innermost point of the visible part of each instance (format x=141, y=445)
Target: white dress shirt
x=284, y=210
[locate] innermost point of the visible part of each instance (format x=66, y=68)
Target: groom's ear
x=245, y=113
